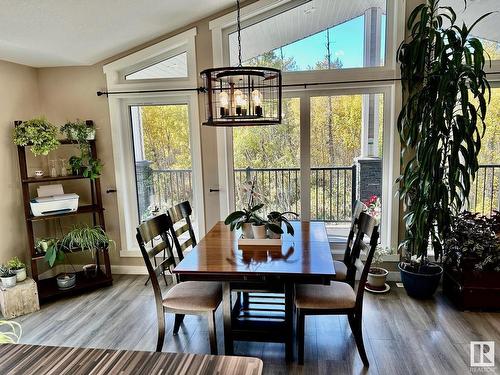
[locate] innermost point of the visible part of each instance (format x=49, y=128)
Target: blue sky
x=346, y=43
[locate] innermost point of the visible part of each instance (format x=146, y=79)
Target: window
x=270, y=157
x=487, y=30
x=317, y=36
x=173, y=67
x=156, y=135
x=346, y=153
x=163, y=167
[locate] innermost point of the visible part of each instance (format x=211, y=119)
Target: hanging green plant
x=440, y=125
x=80, y=131
x=37, y=133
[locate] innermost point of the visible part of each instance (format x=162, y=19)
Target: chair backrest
x=349, y=260
x=367, y=226
x=151, y=231
x=183, y=236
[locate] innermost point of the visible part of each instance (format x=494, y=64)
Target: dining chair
x=183, y=236
x=339, y=298
x=345, y=270
x=190, y=297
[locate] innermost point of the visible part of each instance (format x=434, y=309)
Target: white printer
x=51, y=200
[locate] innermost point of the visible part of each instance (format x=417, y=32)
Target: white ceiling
x=488, y=28
x=44, y=33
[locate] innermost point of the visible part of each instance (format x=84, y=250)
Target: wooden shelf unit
x=47, y=288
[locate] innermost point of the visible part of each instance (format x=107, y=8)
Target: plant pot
x=20, y=274
x=259, y=231
x=421, y=285
x=271, y=234
x=66, y=280
x=377, y=277
x=90, y=271
x=247, y=230
x=9, y=282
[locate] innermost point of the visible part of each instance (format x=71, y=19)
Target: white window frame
x=121, y=129
x=369, y=81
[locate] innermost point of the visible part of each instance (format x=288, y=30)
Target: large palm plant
x=441, y=123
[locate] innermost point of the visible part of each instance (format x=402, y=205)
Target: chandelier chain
x=239, y=30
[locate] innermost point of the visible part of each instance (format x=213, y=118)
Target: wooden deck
x=402, y=335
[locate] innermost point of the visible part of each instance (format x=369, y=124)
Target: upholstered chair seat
x=193, y=296
x=340, y=270
x=337, y=295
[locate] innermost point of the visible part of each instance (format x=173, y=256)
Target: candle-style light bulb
x=238, y=101
x=257, y=102
x=256, y=97
x=224, y=103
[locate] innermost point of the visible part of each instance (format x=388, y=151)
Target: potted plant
x=377, y=276
x=440, y=126
x=472, y=261
x=85, y=166
x=7, y=276
x=275, y=221
x=80, y=131
x=37, y=133
x=18, y=267
x=243, y=219
x=259, y=228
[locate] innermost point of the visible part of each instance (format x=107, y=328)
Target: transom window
x=173, y=67
x=317, y=35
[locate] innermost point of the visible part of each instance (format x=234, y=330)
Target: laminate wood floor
x=402, y=335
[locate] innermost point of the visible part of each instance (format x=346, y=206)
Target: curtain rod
x=304, y=85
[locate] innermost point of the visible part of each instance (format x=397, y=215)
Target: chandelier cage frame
x=242, y=95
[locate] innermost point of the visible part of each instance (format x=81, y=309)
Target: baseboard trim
x=129, y=270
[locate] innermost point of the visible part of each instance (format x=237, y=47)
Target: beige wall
x=18, y=101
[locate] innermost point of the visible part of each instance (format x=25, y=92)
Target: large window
x=269, y=156
x=317, y=36
x=163, y=166
x=173, y=67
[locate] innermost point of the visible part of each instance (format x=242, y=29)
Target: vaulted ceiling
x=45, y=33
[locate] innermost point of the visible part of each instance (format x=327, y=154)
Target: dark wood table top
x=34, y=359
x=304, y=257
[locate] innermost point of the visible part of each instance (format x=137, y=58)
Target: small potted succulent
x=377, y=275
x=276, y=219
x=8, y=277
x=18, y=267
x=38, y=133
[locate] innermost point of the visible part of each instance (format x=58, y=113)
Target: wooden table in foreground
x=39, y=360
x=303, y=258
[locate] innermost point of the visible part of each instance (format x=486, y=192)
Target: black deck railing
x=484, y=196
x=332, y=189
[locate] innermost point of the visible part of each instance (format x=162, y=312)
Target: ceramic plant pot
x=90, y=271
x=421, y=285
x=259, y=231
x=247, y=230
x=273, y=235
x=66, y=280
x=377, y=277
x=9, y=282
x=20, y=274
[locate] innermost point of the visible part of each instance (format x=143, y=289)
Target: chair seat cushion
x=194, y=296
x=337, y=295
x=340, y=270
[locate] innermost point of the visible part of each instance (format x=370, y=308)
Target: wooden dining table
x=302, y=258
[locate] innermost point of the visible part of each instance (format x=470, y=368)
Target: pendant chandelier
x=242, y=95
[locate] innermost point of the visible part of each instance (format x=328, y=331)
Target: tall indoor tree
x=441, y=123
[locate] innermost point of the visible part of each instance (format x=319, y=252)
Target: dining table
x=304, y=257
